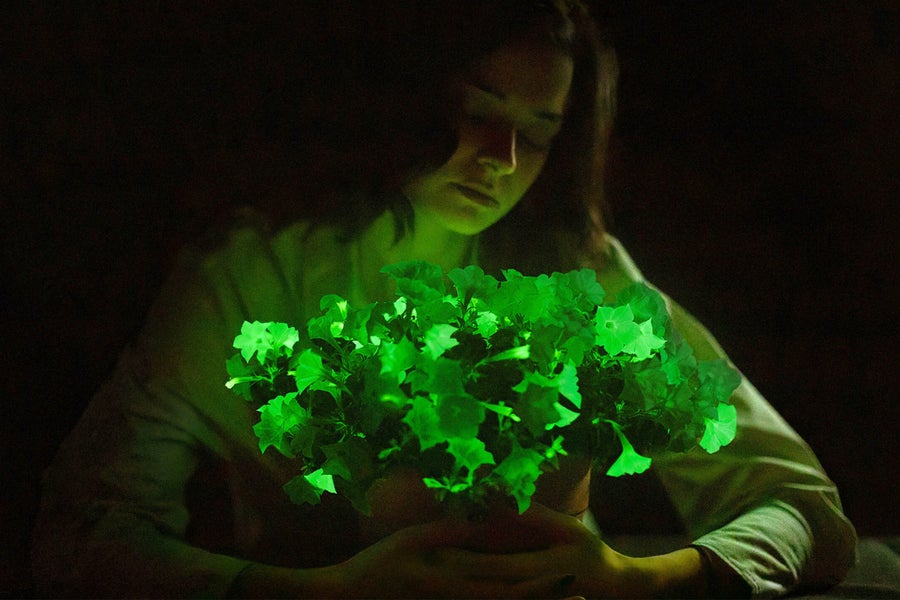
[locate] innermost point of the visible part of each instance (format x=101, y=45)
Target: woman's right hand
x=412, y=563
x=421, y=561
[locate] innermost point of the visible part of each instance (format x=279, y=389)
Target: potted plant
x=468, y=388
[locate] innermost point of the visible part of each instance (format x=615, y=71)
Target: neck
x=377, y=248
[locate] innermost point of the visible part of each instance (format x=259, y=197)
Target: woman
x=161, y=488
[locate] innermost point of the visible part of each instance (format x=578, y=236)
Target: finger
x=543, y=586
x=554, y=524
x=507, y=567
x=537, y=515
x=444, y=532
x=546, y=586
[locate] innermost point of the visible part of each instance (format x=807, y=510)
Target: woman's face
x=512, y=105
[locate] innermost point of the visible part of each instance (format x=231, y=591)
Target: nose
x=497, y=147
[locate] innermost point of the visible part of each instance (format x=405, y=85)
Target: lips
x=475, y=195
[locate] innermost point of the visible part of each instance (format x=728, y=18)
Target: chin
x=463, y=221
x=469, y=228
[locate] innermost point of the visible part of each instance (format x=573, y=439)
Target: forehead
x=534, y=72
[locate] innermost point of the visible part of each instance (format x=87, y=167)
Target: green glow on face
x=481, y=383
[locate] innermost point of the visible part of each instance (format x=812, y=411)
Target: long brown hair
x=385, y=118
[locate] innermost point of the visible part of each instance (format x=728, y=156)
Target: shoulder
x=241, y=269
x=243, y=241
x=262, y=265
x=244, y=270
x=616, y=270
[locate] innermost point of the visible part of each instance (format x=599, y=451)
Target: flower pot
x=397, y=501
x=401, y=500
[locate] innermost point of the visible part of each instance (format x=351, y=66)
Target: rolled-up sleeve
x=763, y=504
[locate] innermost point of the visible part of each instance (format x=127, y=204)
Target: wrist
x=678, y=574
x=692, y=572
x=721, y=580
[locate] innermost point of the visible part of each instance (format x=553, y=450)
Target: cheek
x=535, y=166
x=528, y=170
x=466, y=146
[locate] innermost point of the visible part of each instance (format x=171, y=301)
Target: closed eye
x=531, y=144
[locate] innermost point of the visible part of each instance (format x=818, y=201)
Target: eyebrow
x=546, y=115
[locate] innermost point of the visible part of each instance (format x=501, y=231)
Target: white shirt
x=130, y=503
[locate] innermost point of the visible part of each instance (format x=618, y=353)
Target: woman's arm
x=583, y=565
x=763, y=504
x=114, y=519
x=761, y=507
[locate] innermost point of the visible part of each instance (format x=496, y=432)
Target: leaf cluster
x=481, y=384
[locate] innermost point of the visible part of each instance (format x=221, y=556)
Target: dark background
x=753, y=174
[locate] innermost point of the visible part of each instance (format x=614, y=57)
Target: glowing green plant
x=481, y=387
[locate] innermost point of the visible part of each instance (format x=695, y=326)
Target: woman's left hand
x=555, y=545
x=559, y=546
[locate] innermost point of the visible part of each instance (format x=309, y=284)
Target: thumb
x=448, y=531
x=550, y=523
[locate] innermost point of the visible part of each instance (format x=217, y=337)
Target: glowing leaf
x=301, y=491
x=397, y=358
x=321, y=481
x=358, y=325
x=678, y=365
x=530, y=298
x=384, y=388
x=720, y=432
x=441, y=376
x=615, y=327
x=348, y=459
x=437, y=312
x=555, y=449
x=419, y=281
x=308, y=369
x=308, y=489
x=717, y=381
x=517, y=353
x=332, y=321
x=502, y=409
x=242, y=376
x=584, y=287
x=277, y=418
x=646, y=303
x=519, y=472
x=438, y=339
x=471, y=281
x=283, y=336
x=567, y=382
x=470, y=453
x=303, y=439
x=544, y=345
x=459, y=416
x=629, y=461
x=486, y=324
x=539, y=407
x=424, y=423
x=254, y=339
x=644, y=342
